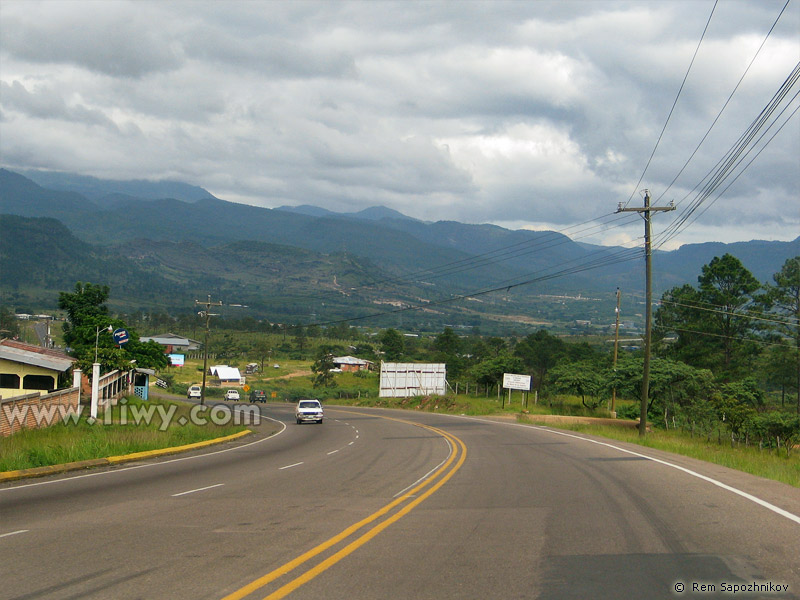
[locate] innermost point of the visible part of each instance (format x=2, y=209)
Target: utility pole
x=645, y=212
x=616, y=345
x=207, y=314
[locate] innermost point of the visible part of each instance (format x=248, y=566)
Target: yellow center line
x=303, y=558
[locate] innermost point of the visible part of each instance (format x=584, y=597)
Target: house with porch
x=26, y=368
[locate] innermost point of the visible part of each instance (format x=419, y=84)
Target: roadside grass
x=465, y=404
x=71, y=442
x=770, y=464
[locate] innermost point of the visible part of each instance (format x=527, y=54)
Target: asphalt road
x=384, y=504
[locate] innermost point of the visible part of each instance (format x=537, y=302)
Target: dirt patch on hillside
x=290, y=375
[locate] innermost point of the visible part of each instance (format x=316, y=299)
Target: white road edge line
x=153, y=464
x=208, y=487
x=2, y=535
x=776, y=509
x=290, y=466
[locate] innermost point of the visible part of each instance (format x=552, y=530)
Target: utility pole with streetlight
x=645, y=212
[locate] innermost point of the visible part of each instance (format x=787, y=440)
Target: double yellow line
x=433, y=483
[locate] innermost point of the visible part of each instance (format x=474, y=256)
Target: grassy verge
x=71, y=442
x=764, y=463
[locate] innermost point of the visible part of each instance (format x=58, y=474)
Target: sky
x=529, y=115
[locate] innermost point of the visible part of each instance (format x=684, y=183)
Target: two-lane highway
x=378, y=504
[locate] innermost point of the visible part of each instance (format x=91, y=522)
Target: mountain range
x=164, y=243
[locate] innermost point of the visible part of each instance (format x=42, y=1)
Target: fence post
x=76, y=383
x=95, y=389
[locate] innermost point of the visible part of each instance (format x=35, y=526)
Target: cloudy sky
x=534, y=114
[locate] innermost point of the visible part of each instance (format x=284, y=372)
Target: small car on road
x=308, y=410
x=258, y=396
x=232, y=395
x=194, y=391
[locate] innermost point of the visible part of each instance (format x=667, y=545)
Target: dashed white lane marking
x=2, y=535
x=290, y=466
x=208, y=487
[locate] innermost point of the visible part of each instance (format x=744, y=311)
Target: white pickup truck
x=308, y=410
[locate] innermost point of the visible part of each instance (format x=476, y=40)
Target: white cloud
x=537, y=113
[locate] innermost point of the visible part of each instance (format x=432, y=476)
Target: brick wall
x=35, y=410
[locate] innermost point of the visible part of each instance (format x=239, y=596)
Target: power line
x=674, y=103
x=736, y=155
x=727, y=337
x=725, y=105
x=727, y=313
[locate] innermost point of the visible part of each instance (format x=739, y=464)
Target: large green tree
x=392, y=344
x=783, y=299
x=87, y=333
x=490, y=371
x=540, y=352
x=712, y=323
x=447, y=349
x=581, y=379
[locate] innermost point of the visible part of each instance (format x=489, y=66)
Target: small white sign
x=516, y=382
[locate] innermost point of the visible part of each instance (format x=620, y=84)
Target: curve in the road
x=401, y=506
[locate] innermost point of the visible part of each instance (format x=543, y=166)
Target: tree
x=496, y=345
x=391, y=344
x=87, y=328
x=447, y=349
x=9, y=325
x=784, y=299
x=540, y=352
x=491, y=370
x=262, y=350
x=674, y=386
x=581, y=379
x=713, y=323
x=86, y=310
x=778, y=369
x=727, y=285
x=447, y=342
x=322, y=368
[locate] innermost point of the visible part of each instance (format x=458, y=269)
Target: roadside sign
x=516, y=382
x=274, y=394
x=246, y=388
x=120, y=337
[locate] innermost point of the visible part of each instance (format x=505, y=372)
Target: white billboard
x=516, y=382
x=402, y=380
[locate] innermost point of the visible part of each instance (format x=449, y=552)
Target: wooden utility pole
x=616, y=345
x=645, y=212
x=207, y=314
